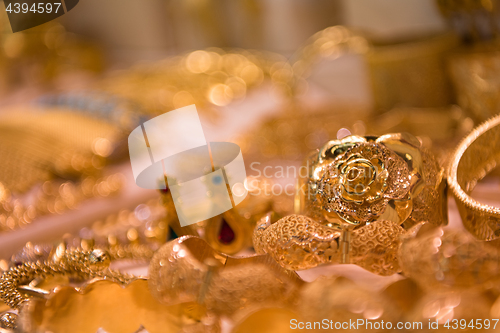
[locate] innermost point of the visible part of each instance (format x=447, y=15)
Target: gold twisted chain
x=84, y=264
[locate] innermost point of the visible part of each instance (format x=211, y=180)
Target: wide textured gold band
x=474, y=158
x=298, y=242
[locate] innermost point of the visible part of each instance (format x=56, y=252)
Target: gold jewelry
x=361, y=195
x=179, y=267
x=474, y=71
x=473, y=20
x=65, y=306
x=94, y=306
x=76, y=262
x=193, y=292
x=129, y=235
x=53, y=197
x=230, y=232
x=36, y=263
x=297, y=242
x=473, y=159
x=357, y=180
x=420, y=64
x=208, y=78
x=112, y=307
x=81, y=263
x=440, y=259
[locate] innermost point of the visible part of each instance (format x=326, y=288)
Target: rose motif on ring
x=361, y=180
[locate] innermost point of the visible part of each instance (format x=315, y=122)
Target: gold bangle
x=21, y=282
x=82, y=263
x=473, y=159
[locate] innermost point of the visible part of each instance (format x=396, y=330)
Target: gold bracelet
x=474, y=158
x=61, y=307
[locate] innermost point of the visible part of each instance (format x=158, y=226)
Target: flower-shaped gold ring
x=361, y=194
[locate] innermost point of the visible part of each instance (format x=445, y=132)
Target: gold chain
x=76, y=262
x=84, y=264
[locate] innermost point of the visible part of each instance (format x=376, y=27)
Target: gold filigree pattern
x=358, y=199
x=366, y=173
x=297, y=242
x=431, y=204
x=375, y=247
x=358, y=180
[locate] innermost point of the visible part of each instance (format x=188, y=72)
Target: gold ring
x=360, y=196
x=474, y=158
x=358, y=180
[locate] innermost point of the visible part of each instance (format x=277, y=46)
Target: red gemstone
x=226, y=234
